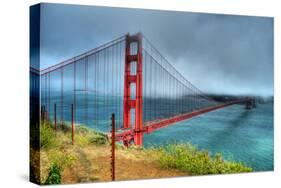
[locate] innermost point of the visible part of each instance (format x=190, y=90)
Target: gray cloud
x=218, y=53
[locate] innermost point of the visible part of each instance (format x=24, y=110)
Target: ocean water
x=238, y=134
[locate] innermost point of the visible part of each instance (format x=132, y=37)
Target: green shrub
x=61, y=158
x=189, y=159
x=65, y=127
x=98, y=139
x=54, y=175
x=59, y=138
x=85, y=136
x=47, y=136
x=82, y=129
x=81, y=140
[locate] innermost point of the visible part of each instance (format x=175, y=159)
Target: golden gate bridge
x=128, y=77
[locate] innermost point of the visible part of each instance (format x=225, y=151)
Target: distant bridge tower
x=133, y=78
x=250, y=103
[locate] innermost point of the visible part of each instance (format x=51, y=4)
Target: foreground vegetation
x=57, y=152
x=189, y=159
x=89, y=158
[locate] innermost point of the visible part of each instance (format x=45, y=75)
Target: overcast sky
x=217, y=53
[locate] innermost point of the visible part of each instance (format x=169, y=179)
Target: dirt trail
x=94, y=165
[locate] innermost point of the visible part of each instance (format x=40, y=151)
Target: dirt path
x=94, y=165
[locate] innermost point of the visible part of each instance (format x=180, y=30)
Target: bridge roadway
x=127, y=135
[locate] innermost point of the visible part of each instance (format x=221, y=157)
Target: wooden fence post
x=113, y=147
x=72, y=123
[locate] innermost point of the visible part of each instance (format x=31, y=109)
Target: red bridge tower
x=132, y=78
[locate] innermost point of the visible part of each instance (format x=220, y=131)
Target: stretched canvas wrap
x=121, y=94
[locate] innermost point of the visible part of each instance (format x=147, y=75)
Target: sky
x=221, y=54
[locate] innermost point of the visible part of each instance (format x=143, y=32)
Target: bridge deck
x=128, y=134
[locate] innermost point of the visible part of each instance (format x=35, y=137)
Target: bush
x=189, y=159
x=98, y=139
x=61, y=158
x=65, y=127
x=54, y=175
x=85, y=136
x=47, y=136
x=82, y=129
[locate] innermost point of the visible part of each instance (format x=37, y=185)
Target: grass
x=57, y=154
x=55, y=145
x=50, y=138
x=47, y=136
x=188, y=158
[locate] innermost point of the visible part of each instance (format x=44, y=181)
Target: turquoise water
x=239, y=134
